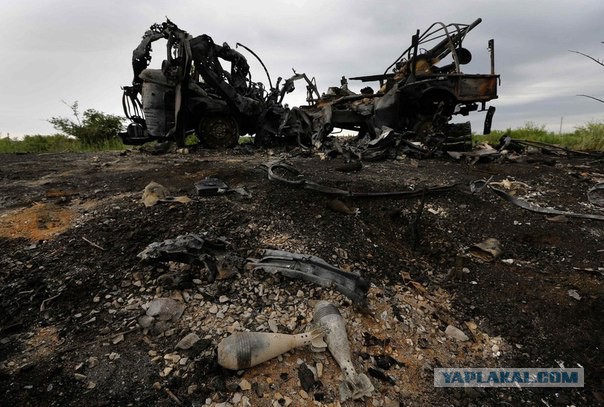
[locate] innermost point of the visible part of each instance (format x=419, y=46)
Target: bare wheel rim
x=219, y=131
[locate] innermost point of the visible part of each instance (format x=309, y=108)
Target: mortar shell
x=328, y=316
x=246, y=349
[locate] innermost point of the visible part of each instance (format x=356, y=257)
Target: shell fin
x=317, y=332
x=356, y=387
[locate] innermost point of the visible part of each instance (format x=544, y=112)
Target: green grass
x=53, y=144
x=246, y=139
x=193, y=139
x=589, y=137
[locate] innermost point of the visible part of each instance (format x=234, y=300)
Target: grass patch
x=589, y=137
x=191, y=140
x=246, y=139
x=54, y=144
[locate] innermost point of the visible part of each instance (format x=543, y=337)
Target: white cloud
x=68, y=50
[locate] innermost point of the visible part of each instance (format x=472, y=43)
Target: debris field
x=456, y=276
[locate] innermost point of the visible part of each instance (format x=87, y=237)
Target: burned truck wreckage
x=417, y=97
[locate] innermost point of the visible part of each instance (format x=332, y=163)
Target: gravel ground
x=73, y=290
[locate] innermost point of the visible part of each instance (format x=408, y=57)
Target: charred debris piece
x=498, y=188
x=196, y=249
x=214, y=186
x=509, y=143
x=315, y=270
x=192, y=248
x=537, y=209
x=417, y=95
x=512, y=150
x=595, y=195
x=285, y=173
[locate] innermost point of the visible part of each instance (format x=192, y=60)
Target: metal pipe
x=492, y=52
x=270, y=83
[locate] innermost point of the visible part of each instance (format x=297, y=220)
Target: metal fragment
x=547, y=211
x=595, y=195
x=315, y=270
x=295, y=178
x=191, y=248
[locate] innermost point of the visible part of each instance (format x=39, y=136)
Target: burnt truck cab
x=419, y=88
x=417, y=93
x=200, y=112
x=192, y=92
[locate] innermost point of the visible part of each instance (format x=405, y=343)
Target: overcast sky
x=56, y=50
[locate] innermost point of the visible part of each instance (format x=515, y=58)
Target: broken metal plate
x=316, y=270
x=191, y=248
x=537, y=209
x=596, y=195
x=211, y=186
x=488, y=250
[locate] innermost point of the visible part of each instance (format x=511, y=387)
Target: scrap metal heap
x=416, y=98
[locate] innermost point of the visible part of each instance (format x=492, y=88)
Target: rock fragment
x=244, y=385
x=188, y=341
x=456, y=333
x=160, y=314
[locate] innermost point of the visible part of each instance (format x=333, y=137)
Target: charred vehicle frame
x=193, y=93
x=417, y=97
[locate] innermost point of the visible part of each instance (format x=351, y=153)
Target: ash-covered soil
x=72, y=287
